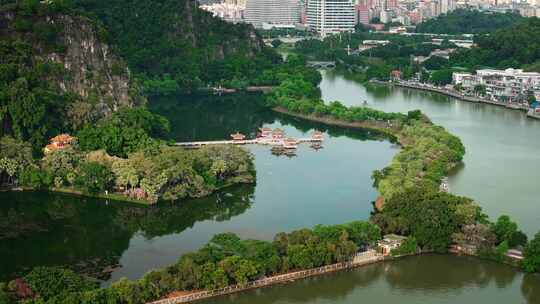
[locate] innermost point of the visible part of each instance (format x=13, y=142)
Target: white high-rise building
x=331, y=16
x=280, y=12
x=447, y=6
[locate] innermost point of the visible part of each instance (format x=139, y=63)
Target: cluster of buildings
x=327, y=16
x=526, y=8
x=335, y=16
x=406, y=12
x=503, y=85
x=228, y=10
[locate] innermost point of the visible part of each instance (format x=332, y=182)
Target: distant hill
x=515, y=46
x=463, y=21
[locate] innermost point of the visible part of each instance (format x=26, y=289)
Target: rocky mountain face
x=73, y=47
x=174, y=38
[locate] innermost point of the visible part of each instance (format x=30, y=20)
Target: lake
x=327, y=186
x=502, y=163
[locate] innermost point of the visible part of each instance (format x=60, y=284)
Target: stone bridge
x=321, y=64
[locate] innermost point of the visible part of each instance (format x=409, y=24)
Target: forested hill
x=515, y=46
x=56, y=72
x=67, y=63
x=176, y=43
x=463, y=21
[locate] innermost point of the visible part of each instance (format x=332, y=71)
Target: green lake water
x=328, y=186
x=502, y=163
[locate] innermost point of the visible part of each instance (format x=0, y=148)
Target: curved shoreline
x=385, y=128
x=376, y=125
x=453, y=94
x=365, y=125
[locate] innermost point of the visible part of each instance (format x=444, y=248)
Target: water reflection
x=207, y=117
x=89, y=235
x=417, y=274
x=531, y=288
x=425, y=279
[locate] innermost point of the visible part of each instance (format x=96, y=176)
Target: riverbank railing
x=456, y=94
x=359, y=259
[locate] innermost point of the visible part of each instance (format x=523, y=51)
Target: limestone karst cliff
x=77, y=46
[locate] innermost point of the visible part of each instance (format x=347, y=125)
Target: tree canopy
x=467, y=21
x=126, y=131
x=513, y=46
x=174, y=44
x=531, y=263
x=431, y=217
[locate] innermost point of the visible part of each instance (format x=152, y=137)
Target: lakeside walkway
x=360, y=259
x=239, y=142
x=453, y=93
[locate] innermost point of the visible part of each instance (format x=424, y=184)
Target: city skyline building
x=331, y=16
x=363, y=13
x=279, y=12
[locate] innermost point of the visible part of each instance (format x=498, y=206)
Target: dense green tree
x=531, y=262
x=94, y=178
x=441, y=77
x=127, y=131
x=436, y=63
x=465, y=21
x=363, y=233
x=276, y=43
x=409, y=246
x=431, y=217
x=30, y=110
x=50, y=282
x=239, y=269
x=36, y=178
x=207, y=50
x=513, y=46
x=60, y=163
x=507, y=230
x=15, y=156
x=518, y=238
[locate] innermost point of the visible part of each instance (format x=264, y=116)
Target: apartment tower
x=279, y=12
x=331, y=16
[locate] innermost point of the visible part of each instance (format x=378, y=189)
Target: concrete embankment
x=360, y=259
x=454, y=94
x=532, y=114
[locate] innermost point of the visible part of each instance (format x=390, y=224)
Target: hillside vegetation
x=515, y=46
x=463, y=21
x=173, y=44
x=68, y=64
x=56, y=72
